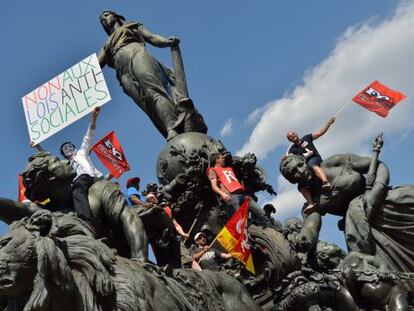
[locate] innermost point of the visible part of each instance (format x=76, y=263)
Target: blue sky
x=254, y=68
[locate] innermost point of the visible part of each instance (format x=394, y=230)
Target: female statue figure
x=142, y=77
x=378, y=220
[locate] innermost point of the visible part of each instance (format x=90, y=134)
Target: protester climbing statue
x=377, y=219
x=159, y=91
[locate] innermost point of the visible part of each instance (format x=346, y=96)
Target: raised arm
x=324, y=129
x=88, y=138
x=157, y=40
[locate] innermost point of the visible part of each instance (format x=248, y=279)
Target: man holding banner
x=86, y=172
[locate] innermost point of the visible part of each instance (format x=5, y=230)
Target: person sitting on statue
x=148, y=82
x=304, y=147
x=133, y=196
x=232, y=193
x=186, y=259
x=378, y=219
x=206, y=256
x=47, y=177
x=86, y=172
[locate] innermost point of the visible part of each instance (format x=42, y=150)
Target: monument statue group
x=51, y=259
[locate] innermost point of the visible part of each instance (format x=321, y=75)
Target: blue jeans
x=258, y=215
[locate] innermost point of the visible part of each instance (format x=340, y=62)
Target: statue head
x=36, y=261
x=45, y=176
x=328, y=255
x=295, y=169
x=108, y=19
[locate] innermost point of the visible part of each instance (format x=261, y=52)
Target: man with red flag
x=233, y=237
x=225, y=183
x=378, y=98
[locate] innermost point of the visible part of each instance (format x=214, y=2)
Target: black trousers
x=80, y=189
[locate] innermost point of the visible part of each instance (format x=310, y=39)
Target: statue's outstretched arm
x=156, y=40
x=14, y=210
x=309, y=233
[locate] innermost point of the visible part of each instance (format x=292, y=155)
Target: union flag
x=233, y=237
x=109, y=151
x=378, y=98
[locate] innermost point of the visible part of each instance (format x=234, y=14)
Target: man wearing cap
x=206, y=256
x=133, y=195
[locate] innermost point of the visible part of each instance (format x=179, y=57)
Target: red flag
x=378, y=98
x=233, y=237
x=22, y=189
x=110, y=152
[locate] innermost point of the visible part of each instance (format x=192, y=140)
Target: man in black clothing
x=304, y=147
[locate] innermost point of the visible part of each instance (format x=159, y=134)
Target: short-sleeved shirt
x=130, y=192
x=209, y=260
x=305, y=148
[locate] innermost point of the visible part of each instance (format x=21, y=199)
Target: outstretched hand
x=96, y=111
x=173, y=41
x=378, y=142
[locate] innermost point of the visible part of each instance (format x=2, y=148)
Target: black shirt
x=306, y=145
x=209, y=260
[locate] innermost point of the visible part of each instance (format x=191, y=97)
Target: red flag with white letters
x=378, y=98
x=109, y=151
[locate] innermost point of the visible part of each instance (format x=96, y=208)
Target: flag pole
x=342, y=108
x=192, y=226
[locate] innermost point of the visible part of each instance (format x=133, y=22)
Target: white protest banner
x=65, y=99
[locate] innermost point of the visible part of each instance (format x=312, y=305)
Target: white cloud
x=227, y=128
x=255, y=115
x=363, y=54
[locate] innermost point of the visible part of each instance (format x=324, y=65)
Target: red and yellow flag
x=233, y=237
x=378, y=98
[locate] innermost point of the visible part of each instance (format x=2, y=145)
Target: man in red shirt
x=225, y=183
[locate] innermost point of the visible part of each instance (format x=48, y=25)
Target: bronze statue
x=378, y=219
x=52, y=261
x=150, y=83
x=48, y=177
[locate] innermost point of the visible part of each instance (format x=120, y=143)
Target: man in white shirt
x=86, y=172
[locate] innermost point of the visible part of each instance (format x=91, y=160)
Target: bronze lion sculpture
x=52, y=261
